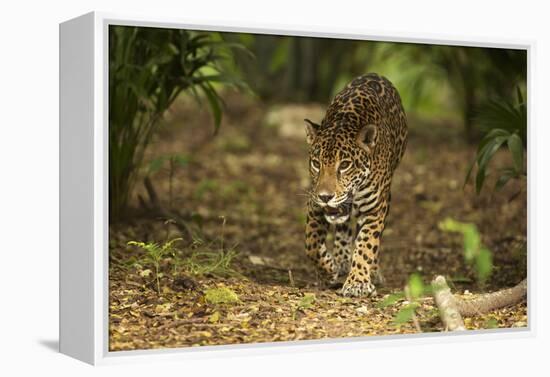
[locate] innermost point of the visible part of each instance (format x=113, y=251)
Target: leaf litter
x=245, y=293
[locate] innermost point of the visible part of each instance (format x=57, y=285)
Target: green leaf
x=516, y=149
x=484, y=264
x=469, y=174
x=505, y=176
x=484, y=156
x=473, y=249
x=520, y=96
x=491, y=323
x=307, y=301
x=490, y=149
x=416, y=286
x=491, y=135
x=405, y=314
x=480, y=179
x=472, y=242
x=390, y=299
x=450, y=225
x=169, y=245
x=502, y=114
x=214, y=103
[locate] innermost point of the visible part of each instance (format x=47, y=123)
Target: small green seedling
x=155, y=253
x=306, y=302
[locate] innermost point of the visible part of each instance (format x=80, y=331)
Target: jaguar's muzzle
x=337, y=215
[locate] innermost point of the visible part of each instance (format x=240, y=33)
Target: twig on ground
x=291, y=279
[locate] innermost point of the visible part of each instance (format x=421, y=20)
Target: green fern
x=155, y=253
x=506, y=125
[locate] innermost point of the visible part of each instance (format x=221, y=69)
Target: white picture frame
x=84, y=190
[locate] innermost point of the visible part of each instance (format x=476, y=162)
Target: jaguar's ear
x=366, y=138
x=311, y=130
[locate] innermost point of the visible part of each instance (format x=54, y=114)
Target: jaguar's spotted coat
x=353, y=154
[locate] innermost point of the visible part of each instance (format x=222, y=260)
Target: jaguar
x=353, y=153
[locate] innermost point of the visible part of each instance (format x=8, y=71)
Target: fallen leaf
x=215, y=317
x=145, y=273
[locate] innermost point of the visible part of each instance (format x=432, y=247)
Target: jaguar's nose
x=326, y=197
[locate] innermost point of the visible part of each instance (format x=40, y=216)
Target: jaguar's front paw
x=358, y=289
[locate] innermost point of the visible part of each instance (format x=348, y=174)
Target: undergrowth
x=199, y=258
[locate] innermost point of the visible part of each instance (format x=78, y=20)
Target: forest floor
x=243, y=195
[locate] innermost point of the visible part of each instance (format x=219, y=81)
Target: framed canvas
x=227, y=188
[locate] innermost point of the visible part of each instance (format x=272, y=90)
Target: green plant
x=206, y=260
x=306, y=302
x=413, y=292
x=155, y=253
x=148, y=69
x=506, y=124
x=475, y=253
x=203, y=258
x=175, y=161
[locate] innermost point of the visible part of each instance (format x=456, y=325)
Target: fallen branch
x=452, y=308
x=493, y=301
x=446, y=302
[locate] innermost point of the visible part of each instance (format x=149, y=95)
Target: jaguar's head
x=339, y=161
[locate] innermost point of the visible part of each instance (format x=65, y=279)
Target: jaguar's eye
x=315, y=165
x=344, y=165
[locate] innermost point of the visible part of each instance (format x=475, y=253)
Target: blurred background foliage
x=149, y=68
x=434, y=80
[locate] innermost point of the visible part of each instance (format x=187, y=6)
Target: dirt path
x=254, y=176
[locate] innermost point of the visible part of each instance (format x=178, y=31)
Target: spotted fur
x=353, y=154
